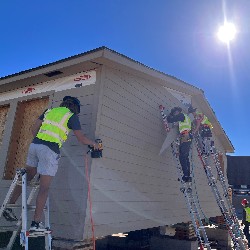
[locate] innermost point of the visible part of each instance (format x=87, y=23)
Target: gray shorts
x=43, y=158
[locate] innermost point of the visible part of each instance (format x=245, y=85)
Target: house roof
x=104, y=56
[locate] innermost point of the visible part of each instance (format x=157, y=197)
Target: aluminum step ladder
x=20, y=227
x=226, y=208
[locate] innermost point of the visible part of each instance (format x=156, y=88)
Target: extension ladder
x=186, y=189
x=21, y=225
x=228, y=211
x=191, y=201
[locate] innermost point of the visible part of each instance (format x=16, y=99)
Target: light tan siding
x=69, y=189
x=132, y=186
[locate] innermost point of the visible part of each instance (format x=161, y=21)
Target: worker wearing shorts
x=43, y=158
x=50, y=132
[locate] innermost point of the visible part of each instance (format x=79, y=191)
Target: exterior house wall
x=133, y=187
x=68, y=193
x=21, y=136
x=69, y=189
x=3, y=116
x=6, y=133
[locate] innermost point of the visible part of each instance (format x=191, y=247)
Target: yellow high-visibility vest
x=185, y=125
x=204, y=120
x=247, y=209
x=54, y=126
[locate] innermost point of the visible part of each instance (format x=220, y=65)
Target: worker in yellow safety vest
x=246, y=217
x=50, y=131
x=177, y=116
x=202, y=124
x=202, y=127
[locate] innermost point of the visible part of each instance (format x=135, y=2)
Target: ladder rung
x=29, y=183
x=8, y=228
x=30, y=207
x=37, y=234
x=33, y=184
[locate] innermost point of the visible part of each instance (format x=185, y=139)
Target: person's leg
x=8, y=213
x=244, y=229
x=31, y=168
x=31, y=172
x=45, y=181
x=184, y=158
x=247, y=230
x=47, y=168
x=42, y=196
x=187, y=150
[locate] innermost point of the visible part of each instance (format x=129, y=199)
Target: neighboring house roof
x=104, y=56
x=238, y=170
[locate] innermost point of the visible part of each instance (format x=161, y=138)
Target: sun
x=226, y=32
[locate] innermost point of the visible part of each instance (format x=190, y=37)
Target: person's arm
x=75, y=125
x=83, y=139
x=197, y=125
x=35, y=128
x=244, y=216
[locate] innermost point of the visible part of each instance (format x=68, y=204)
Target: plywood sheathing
x=3, y=116
x=26, y=114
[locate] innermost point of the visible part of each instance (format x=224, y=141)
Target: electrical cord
x=90, y=200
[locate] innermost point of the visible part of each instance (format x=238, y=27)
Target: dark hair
x=191, y=109
x=173, y=110
x=69, y=103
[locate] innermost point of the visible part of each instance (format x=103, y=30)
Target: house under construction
x=133, y=186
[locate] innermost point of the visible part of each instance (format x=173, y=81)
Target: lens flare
x=227, y=32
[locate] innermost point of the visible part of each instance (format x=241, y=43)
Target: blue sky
x=176, y=37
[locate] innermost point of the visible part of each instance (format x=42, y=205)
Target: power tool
x=96, y=153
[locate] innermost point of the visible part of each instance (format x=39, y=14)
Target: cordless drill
x=96, y=153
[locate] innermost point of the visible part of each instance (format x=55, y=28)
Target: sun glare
x=227, y=32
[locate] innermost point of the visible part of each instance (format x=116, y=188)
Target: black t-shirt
x=73, y=123
x=176, y=118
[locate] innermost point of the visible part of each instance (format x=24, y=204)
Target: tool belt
x=205, y=131
x=185, y=136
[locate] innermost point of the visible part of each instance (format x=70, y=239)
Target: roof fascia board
x=51, y=67
x=158, y=76
x=111, y=58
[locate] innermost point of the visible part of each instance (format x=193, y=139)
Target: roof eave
x=103, y=55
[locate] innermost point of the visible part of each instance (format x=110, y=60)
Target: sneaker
x=37, y=227
x=9, y=215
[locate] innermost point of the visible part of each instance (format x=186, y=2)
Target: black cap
x=173, y=110
x=191, y=109
x=74, y=100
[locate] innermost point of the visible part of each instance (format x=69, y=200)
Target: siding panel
x=132, y=173
x=134, y=187
x=69, y=188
